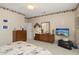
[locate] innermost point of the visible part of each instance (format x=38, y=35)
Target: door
x=77, y=31
x=28, y=27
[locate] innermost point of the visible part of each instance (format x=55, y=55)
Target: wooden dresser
x=19, y=35
x=45, y=37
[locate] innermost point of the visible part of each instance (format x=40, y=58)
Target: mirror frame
x=48, y=25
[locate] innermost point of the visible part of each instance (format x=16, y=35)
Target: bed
x=23, y=48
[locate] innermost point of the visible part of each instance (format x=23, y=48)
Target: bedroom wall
x=14, y=21
x=57, y=21
x=77, y=26
x=77, y=12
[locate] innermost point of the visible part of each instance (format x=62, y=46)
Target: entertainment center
x=65, y=42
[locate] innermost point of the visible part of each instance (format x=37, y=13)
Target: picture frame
x=5, y=27
x=5, y=20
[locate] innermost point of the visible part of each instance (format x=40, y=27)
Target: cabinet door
x=42, y=37
x=51, y=38
x=37, y=36
x=21, y=36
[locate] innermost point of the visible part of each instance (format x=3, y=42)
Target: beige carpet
x=56, y=50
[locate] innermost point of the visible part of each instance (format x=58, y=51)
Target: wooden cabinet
x=45, y=37
x=19, y=35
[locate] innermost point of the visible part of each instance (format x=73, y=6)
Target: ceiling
x=40, y=8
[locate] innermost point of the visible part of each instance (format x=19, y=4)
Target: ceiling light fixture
x=31, y=7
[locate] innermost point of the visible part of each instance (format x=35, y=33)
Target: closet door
x=28, y=27
x=77, y=31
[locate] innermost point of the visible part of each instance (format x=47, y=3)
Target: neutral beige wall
x=77, y=26
x=77, y=12
x=58, y=20
x=14, y=21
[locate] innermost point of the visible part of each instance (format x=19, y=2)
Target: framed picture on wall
x=5, y=27
x=5, y=20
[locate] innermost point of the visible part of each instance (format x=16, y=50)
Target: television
x=62, y=32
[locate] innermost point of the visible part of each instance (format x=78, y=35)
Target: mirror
x=45, y=27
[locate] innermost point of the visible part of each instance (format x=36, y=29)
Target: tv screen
x=62, y=31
